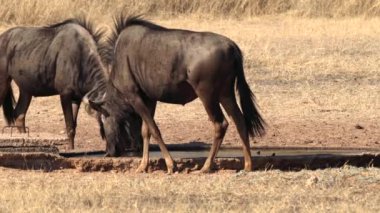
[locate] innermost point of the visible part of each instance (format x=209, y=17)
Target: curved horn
x=94, y=104
x=87, y=106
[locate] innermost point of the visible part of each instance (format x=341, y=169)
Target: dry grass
x=332, y=190
x=47, y=11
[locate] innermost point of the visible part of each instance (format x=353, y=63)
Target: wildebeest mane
x=97, y=34
x=121, y=22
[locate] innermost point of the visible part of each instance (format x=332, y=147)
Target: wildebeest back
x=47, y=58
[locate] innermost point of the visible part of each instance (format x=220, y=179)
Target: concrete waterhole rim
x=264, y=158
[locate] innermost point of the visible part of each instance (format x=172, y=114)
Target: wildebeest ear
x=98, y=106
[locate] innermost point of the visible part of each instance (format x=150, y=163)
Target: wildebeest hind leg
x=4, y=89
x=6, y=95
x=145, y=114
x=233, y=111
x=20, y=111
x=69, y=120
x=220, y=127
x=146, y=138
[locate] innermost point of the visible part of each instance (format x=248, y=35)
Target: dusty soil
x=190, y=124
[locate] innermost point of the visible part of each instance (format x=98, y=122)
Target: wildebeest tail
x=8, y=109
x=253, y=120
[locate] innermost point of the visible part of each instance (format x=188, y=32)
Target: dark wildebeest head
x=119, y=125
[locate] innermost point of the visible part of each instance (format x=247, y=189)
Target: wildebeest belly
x=34, y=85
x=34, y=74
x=180, y=93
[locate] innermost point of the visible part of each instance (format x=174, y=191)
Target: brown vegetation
x=47, y=11
x=332, y=190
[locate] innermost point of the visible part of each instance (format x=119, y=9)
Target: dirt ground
x=316, y=81
x=334, y=130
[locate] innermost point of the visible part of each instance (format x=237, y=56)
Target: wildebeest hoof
x=142, y=169
x=170, y=171
x=111, y=154
x=202, y=171
x=248, y=169
x=70, y=146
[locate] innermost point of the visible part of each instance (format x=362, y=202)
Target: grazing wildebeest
x=151, y=63
x=58, y=59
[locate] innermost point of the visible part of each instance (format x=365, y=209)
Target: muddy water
x=233, y=153
x=228, y=159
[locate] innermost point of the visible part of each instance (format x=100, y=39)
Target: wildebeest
x=152, y=63
x=58, y=59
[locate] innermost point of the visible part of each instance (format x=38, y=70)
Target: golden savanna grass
x=45, y=11
x=348, y=189
x=306, y=60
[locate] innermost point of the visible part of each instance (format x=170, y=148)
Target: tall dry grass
x=45, y=11
x=332, y=190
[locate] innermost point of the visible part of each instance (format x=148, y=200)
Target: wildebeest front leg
x=69, y=119
x=20, y=111
x=75, y=105
x=146, y=138
x=145, y=159
x=145, y=114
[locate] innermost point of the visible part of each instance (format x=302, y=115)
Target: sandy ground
x=186, y=124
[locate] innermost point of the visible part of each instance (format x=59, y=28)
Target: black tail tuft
x=8, y=109
x=253, y=120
